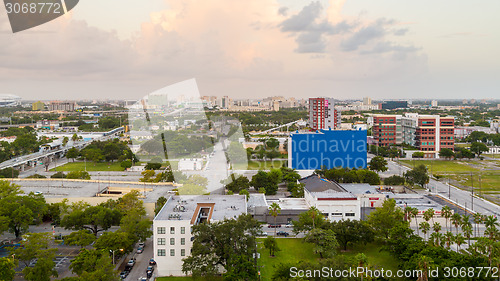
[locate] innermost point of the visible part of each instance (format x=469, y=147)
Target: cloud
x=310, y=29
x=283, y=11
x=366, y=34
x=401, y=32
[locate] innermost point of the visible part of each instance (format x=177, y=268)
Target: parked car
x=149, y=274
x=152, y=262
x=288, y=225
x=142, y=245
x=124, y=274
x=142, y=279
x=150, y=268
x=131, y=263
x=140, y=250
x=274, y=225
x=282, y=233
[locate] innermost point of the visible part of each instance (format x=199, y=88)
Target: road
x=452, y=193
x=141, y=262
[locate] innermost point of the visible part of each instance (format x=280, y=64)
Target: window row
x=162, y=241
x=162, y=230
x=163, y=252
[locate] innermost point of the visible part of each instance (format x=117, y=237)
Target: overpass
x=47, y=156
x=279, y=127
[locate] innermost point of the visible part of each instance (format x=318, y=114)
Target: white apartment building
x=172, y=233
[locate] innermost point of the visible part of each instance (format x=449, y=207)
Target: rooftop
x=183, y=207
x=315, y=183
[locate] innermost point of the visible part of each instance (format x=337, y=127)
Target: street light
x=113, y=251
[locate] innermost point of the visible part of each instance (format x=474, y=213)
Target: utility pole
x=472, y=191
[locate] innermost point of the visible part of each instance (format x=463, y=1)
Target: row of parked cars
x=131, y=263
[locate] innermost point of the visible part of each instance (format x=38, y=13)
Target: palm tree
x=424, y=263
x=467, y=229
x=446, y=213
x=459, y=240
x=414, y=213
x=436, y=227
x=449, y=238
x=456, y=220
x=491, y=222
x=478, y=218
x=425, y=226
x=429, y=214
x=274, y=210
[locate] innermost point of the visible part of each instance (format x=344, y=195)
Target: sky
x=391, y=49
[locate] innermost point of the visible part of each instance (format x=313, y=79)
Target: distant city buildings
x=390, y=105
x=323, y=114
x=428, y=133
x=61, y=106
x=38, y=106
x=434, y=103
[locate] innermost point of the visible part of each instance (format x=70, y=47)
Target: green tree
x=125, y=164
x=385, y=218
x=43, y=269
x=82, y=238
x=274, y=210
x=394, y=180
x=238, y=183
x=94, y=265
x=455, y=220
x=153, y=166
x=378, y=163
x=446, y=213
x=7, y=269
x=425, y=227
x=417, y=176
x=58, y=175
x=72, y=153
x=228, y=243
x=325, y=243
x=110, y=241
x=351, y=232
x=159, y=204
x=478, y=148
x=136, y=225
x=83, y=175
x=271, y=244
x=94, y=218
x=446, y=153
x=36, y=245
x=309, y=220
x=147, y=176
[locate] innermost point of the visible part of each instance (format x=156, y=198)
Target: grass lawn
x=438, y=166
x=80, y=166
x=294, y=250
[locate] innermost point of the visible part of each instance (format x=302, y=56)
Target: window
x=172, y=241
x=183, y=230
x=161, y=241
x=183, y=252
x=350, y=214
x=172, y=230
x=161, y=230
x=183, y=241
x=172, y=252
x=336, y=214
x=161, y=252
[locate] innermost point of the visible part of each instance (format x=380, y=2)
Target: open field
x=294, y=250
x=438, y=166
x=91, y=167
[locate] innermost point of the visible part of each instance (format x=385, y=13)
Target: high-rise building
x=434, y=103
x=61, y=106
x=367, y=101
x=387, y=129
x=323, y=114
x=37, y=106
x=428, y=133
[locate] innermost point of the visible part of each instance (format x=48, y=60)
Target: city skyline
x=337, y=49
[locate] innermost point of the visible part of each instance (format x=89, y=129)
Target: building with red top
x=323, y=114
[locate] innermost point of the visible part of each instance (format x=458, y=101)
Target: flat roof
x=257, y=200
x=360, y=188
x=182, y=207
x=291, y=203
